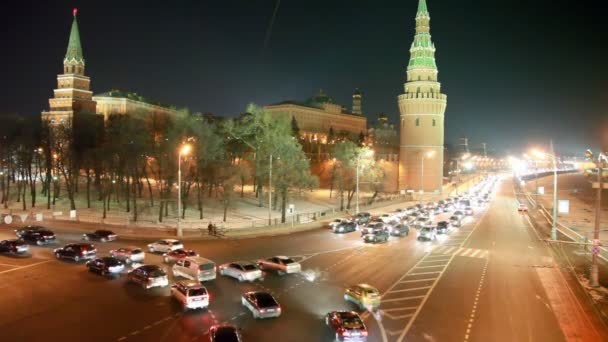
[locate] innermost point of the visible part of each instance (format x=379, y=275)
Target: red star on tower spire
x=75, y=11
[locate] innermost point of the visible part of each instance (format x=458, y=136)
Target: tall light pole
x=270, y=191
x=182, y=151
x=367, y=153
x=601, y=160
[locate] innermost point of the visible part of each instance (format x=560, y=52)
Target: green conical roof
x=74, y=48
x=422, y=10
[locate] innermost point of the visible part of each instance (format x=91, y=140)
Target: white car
x=165, y=245
x=241, y=270
x=129, y=254
x=522, y=207
x=337, y=222
x=386, y=218
x=281, y=264
x=191, y=294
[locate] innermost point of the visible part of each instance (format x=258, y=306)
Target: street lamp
x=183, y=151
x=428, y=154
x=368, y=154
x=542, y=155
x=601, y=162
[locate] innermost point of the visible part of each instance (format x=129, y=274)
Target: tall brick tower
x=73, y=94
x=422, y=109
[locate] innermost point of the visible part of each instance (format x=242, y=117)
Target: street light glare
x=430, y=153
x=538, y=154
x=185, y=149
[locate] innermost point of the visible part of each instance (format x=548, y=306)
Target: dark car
x=13, y=246
x=106, y=266
x=378, y=235
x=76, y=252
x=38, y=236
x=345, y=227
x=455, y=221
x=399, y=230
x=178, y=254
x=100, y=235
x=442, y=227
x=347, y=325
x=224, y=333
x=148, y=276
x=261, y=304
x=371, y=227
x=21, y=231
x=362, y=218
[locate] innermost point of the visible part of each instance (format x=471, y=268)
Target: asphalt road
x=428, y=289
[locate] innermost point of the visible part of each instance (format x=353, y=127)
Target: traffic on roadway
x=323, y=285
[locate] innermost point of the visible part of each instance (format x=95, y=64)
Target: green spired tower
x=422, y=109
x=73, y=94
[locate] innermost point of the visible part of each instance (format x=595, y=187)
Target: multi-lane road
x=489, y=280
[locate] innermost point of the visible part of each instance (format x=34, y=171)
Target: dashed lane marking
x=476, y=302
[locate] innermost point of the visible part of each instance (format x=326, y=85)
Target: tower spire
x=73, y=54
x=422, y=10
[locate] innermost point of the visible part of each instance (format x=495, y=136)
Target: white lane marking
x=401, y=298
x=9, y=265
x=450, y=250
x=475, y=253
x=426, y=272
x=26, y=266
x=430, y=266
x=417, y=280
x=412, y=289
x=400, y=309
x=122, y=338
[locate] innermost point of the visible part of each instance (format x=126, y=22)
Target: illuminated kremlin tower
x=73, y=95
x=422, y=109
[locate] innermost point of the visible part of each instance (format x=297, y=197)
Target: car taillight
x=364, y=333
x=262, y=310
x=345, y=333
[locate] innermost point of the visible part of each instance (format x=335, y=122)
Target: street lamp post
x=183, y=151
x=601, y=160
x=270, y=192
x=554, y=211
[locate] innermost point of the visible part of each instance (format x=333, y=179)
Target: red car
x=347, y=325
x=178, y=254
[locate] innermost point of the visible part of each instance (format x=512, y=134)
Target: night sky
x=517, y=73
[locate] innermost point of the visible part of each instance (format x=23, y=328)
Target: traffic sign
x=595, y=250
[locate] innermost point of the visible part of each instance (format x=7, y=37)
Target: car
x=164, y=245
x=398, y=213
x=347, y=326
x=468, y=211
x=458, y=213
x=38, y=236
x=421, y=222
x=337, y=222
x=345, y=227
x=363, y=296
x=411, y=210
x=281, y=264
x=21, y=231
x=371, y=227
x=224, y=333
x=442, y=227
x=386, y=218
x=427, y=233
x=241, y=270
x=378, y=235
x=148, y=276
x=455, y=221
x=129, y=254
x=431, y=205
x=13, y=246
x=398, y=229
x=522, y=207
x=195, y=268
x=190, y=294
x=178, y=254
x=76, y=252
x=106, y=266
x=100, y=235
x=362, y=218
x=261, y=304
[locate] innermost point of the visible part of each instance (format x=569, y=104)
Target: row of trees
x=132, y=160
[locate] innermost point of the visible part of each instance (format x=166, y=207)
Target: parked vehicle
x=224, y=333
x=106, y=266
x=76, y=252
x=38, y=236
x=378, y=235
x=427, y=233
x=347, y=325
x=241, y=270
x=164, y=245
x=261, y=304
x=363, y=296
x=148, y=276
x=190, y=294
x=14, y=246
x=195, y=268
x=129, y=254
x=281, y=264
x=100, y=235
x=178, y=254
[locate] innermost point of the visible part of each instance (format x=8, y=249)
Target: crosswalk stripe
x=475, y=253
x=402, y=298
x=417, y=280
x=412, y=289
